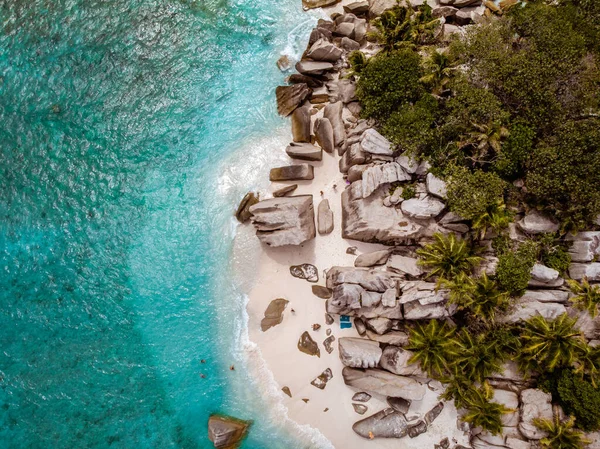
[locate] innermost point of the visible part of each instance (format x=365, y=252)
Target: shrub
x=515, y=152
x=388, y=82
x=577, y=397
x=496, y=217
x=438, y=72
x=481, y=412
x=472, y=194
x=564, y=173
x=358, y=61
x=550, y=344
x=478, y=358
x=479, y=296
x=553, y=253
x=433, y=346
x=448, y=256
x=409, y=192
x=514, y=268
x=587, y=297
x=560, y=435
x=412, y=127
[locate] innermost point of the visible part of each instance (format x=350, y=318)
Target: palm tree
x=447, y=256
x=438, y=71
x=358, y=61
x=550, y=344
x=587, y=297
x=434, y=347
x=486, y=138
x=480, y=296
x=561, y=435
x=495, y=217
x=483, y=413
x=457, y=387
x=478, y=357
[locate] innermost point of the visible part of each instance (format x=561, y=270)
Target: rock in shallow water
x=243, y=211
x=273, y=314
x=307, y=345
x=387, y=423
x=305, y=271
x=360, y=408
x=226, y=432
x=401, y=405
x=371, y=259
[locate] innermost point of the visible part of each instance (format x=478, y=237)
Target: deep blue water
x=117, y=120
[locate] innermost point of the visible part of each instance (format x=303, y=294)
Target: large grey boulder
x=290, y=97
x=322, y=50
x=535, y=222
x=535, y=404
x=284, y=221
x=585, y=246
x=374, y=143
x=374, y=280
x=436, y=186
x=346, y=91
x=311, y=4
x=422, y=208
x=376, y=176
x=372, y=259
x=384, y=383
x=387, y=423
x=405, y=264
x=301, y=124
x=379, y=325
x=527, y=308
x=306, y=67
x=377, y=7
x=425, y=293
x=304, y=152
x=347, y=296
x=333, y=113
x=226, y=432
x=324, y=134
x=298, y=172
x=511, y=401
x=396, y=360
x=545, y=296
x=324, y=218
x=359, y=352
x=243, y=211
x=590, y=270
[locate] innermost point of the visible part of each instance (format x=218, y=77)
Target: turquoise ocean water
x=118, y=119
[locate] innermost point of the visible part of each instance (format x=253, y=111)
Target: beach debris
x=361, y=396
x=226, y=431
x=307, y=345
x=284, y=190
x=202, y=361
x=232, y=368
x=321, y=292
x=360, y=408
x=305, y=271
x=316, y=327
x=273, y=314
x=328, y=342
x=305, y=400
x=328, y=332
x=287, y=391
x=243, y=211
x=321, y=381
x=372, y=259
x=284, y=64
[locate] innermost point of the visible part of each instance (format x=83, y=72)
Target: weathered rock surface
x=591, y=271
x=358, y=352
x=298, y=172
x=333, y=113
x=328, y=344
x=401, y=405
x=465, y=16
x=376, y=176
x=304, y=151
x=535, y=404
x=372, y=259
x=444, y=11
x=585, y=246
x=359, y=7
x=422, y=208
x=324, y=218
x=432, y=414
x=374, y=143
x=379, y=6
x=436, y=186
x=321, y=292
x=321, y=380
x=395, y=360
x=306, y=67
x=311, y=4
x=425, y=293
x=325, y=51
x=419, y=428
x=273, y=314
x=387, y=423
x=396, y=338
x=307, y=345
x=374, y=280
x=226, y=432
x=284, y=190
x=290, y=97
x=360, y=408
x=243, y=211
x=324, y=134
x=384, y=383
x=537, y=223
x=301, y=124
x=284, y=221
x=405, y=264
x=511, y=401
x=305, y=271
x=361, y=396
x=527, y=308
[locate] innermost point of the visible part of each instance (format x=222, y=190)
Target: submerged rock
x=226, y=432
x=301, y=124
x=311, y=4
x=321, y=381
x=359, y=353
x=307, y=345
x=273, y=314
x=284, y=221
x=290, y=97
x=323, y=50
x=372, y=259
x=387, y=423
x=243, y=211
x=287, y=391
x=537, y=223
x=306, y=67
x=305, y=271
